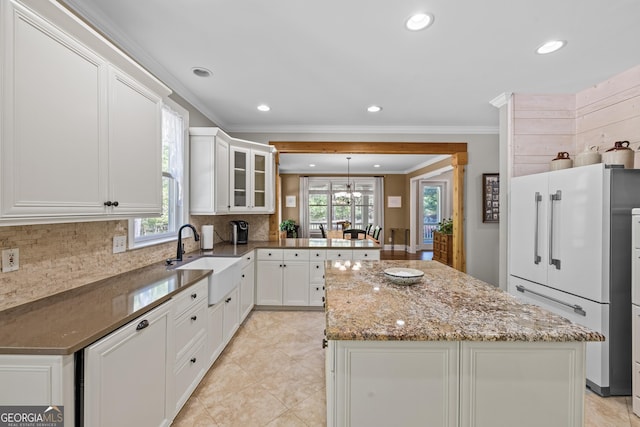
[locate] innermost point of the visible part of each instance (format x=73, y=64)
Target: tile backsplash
x=58, y=257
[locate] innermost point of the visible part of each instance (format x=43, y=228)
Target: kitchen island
x=450, y=350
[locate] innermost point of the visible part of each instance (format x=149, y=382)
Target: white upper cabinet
x=80, y=138
x=229, y=175
x=135, y=147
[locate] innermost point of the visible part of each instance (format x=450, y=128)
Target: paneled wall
x=610, y=112
x=544, y=125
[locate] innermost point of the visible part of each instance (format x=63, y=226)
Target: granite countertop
x=69, y=321
x=447, y=305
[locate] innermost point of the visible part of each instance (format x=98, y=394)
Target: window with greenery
x=331, y=203
x=147, y=231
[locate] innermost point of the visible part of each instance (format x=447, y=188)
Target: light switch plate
x=10, y=260
x=119, y=244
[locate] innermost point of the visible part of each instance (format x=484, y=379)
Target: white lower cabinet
x=247, y=285
x=449, y=383
x=231, y=314
x=524, y=384
x=126, y=373
x=190, y=351
x=215, y=340
x=282, y=277
x=38, y=380
x=381, y=383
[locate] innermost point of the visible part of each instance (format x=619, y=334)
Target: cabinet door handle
x=194, y=318
x=110, y=203
x=325, y=343
x=243, y=276
x=194, y=295
x=193, y=360
x=228, y=300
x=143, y=324
x=552, y=260
x=536, y=257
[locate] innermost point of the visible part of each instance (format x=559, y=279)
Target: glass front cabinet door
x=240, y=179
x=250, y=180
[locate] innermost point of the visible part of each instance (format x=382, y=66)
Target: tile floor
x=272, y=374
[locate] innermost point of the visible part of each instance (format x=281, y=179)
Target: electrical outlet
x=10, y=260
x=119, y=244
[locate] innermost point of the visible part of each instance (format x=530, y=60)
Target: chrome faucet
x=180, y=250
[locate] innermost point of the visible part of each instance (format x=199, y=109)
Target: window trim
x=169, y=237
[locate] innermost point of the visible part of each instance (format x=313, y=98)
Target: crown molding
x=501, y=99
x=420, y=130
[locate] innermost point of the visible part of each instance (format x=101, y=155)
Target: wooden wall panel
x=610, y=112
x=543, y=125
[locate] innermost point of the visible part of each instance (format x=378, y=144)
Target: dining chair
x=376, y=232
x=323, y=232
x=354, y=233
x=368, y=229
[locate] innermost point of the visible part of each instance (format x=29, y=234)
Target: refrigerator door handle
x=575, y=307
x=552, y=260
x=536, y=257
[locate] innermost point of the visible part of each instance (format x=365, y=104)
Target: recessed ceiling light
x=311, y=165
x=201, y=72
x=419, y=21
x=551, y=46
x=264, y=107
x=374, y=108
x=376, y=166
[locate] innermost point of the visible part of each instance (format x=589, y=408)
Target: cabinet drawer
x=191, y=296
x=189, y=372
x=247, y=259
x=333, y=254
x=361, y=254
x=316, y=272
x=270, y=254
x=293, y=255
x=315, y=254
x=316, y=295
x=188, y=327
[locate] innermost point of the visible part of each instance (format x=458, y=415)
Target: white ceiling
x=359, y=163
x=320, y=64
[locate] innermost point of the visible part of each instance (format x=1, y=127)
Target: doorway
x=459, y=158
x=432, y=202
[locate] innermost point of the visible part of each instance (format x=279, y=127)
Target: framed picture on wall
x=490, y=197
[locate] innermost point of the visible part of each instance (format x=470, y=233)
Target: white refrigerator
x=569, y=251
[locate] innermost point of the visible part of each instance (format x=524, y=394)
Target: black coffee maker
x=239, y=232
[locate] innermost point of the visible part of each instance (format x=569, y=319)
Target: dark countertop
x=446, y=305
x=69, y=321
x=227, y=249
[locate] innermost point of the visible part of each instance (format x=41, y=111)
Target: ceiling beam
x=305, y=147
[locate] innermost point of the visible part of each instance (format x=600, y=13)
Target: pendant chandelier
x=349, y=194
